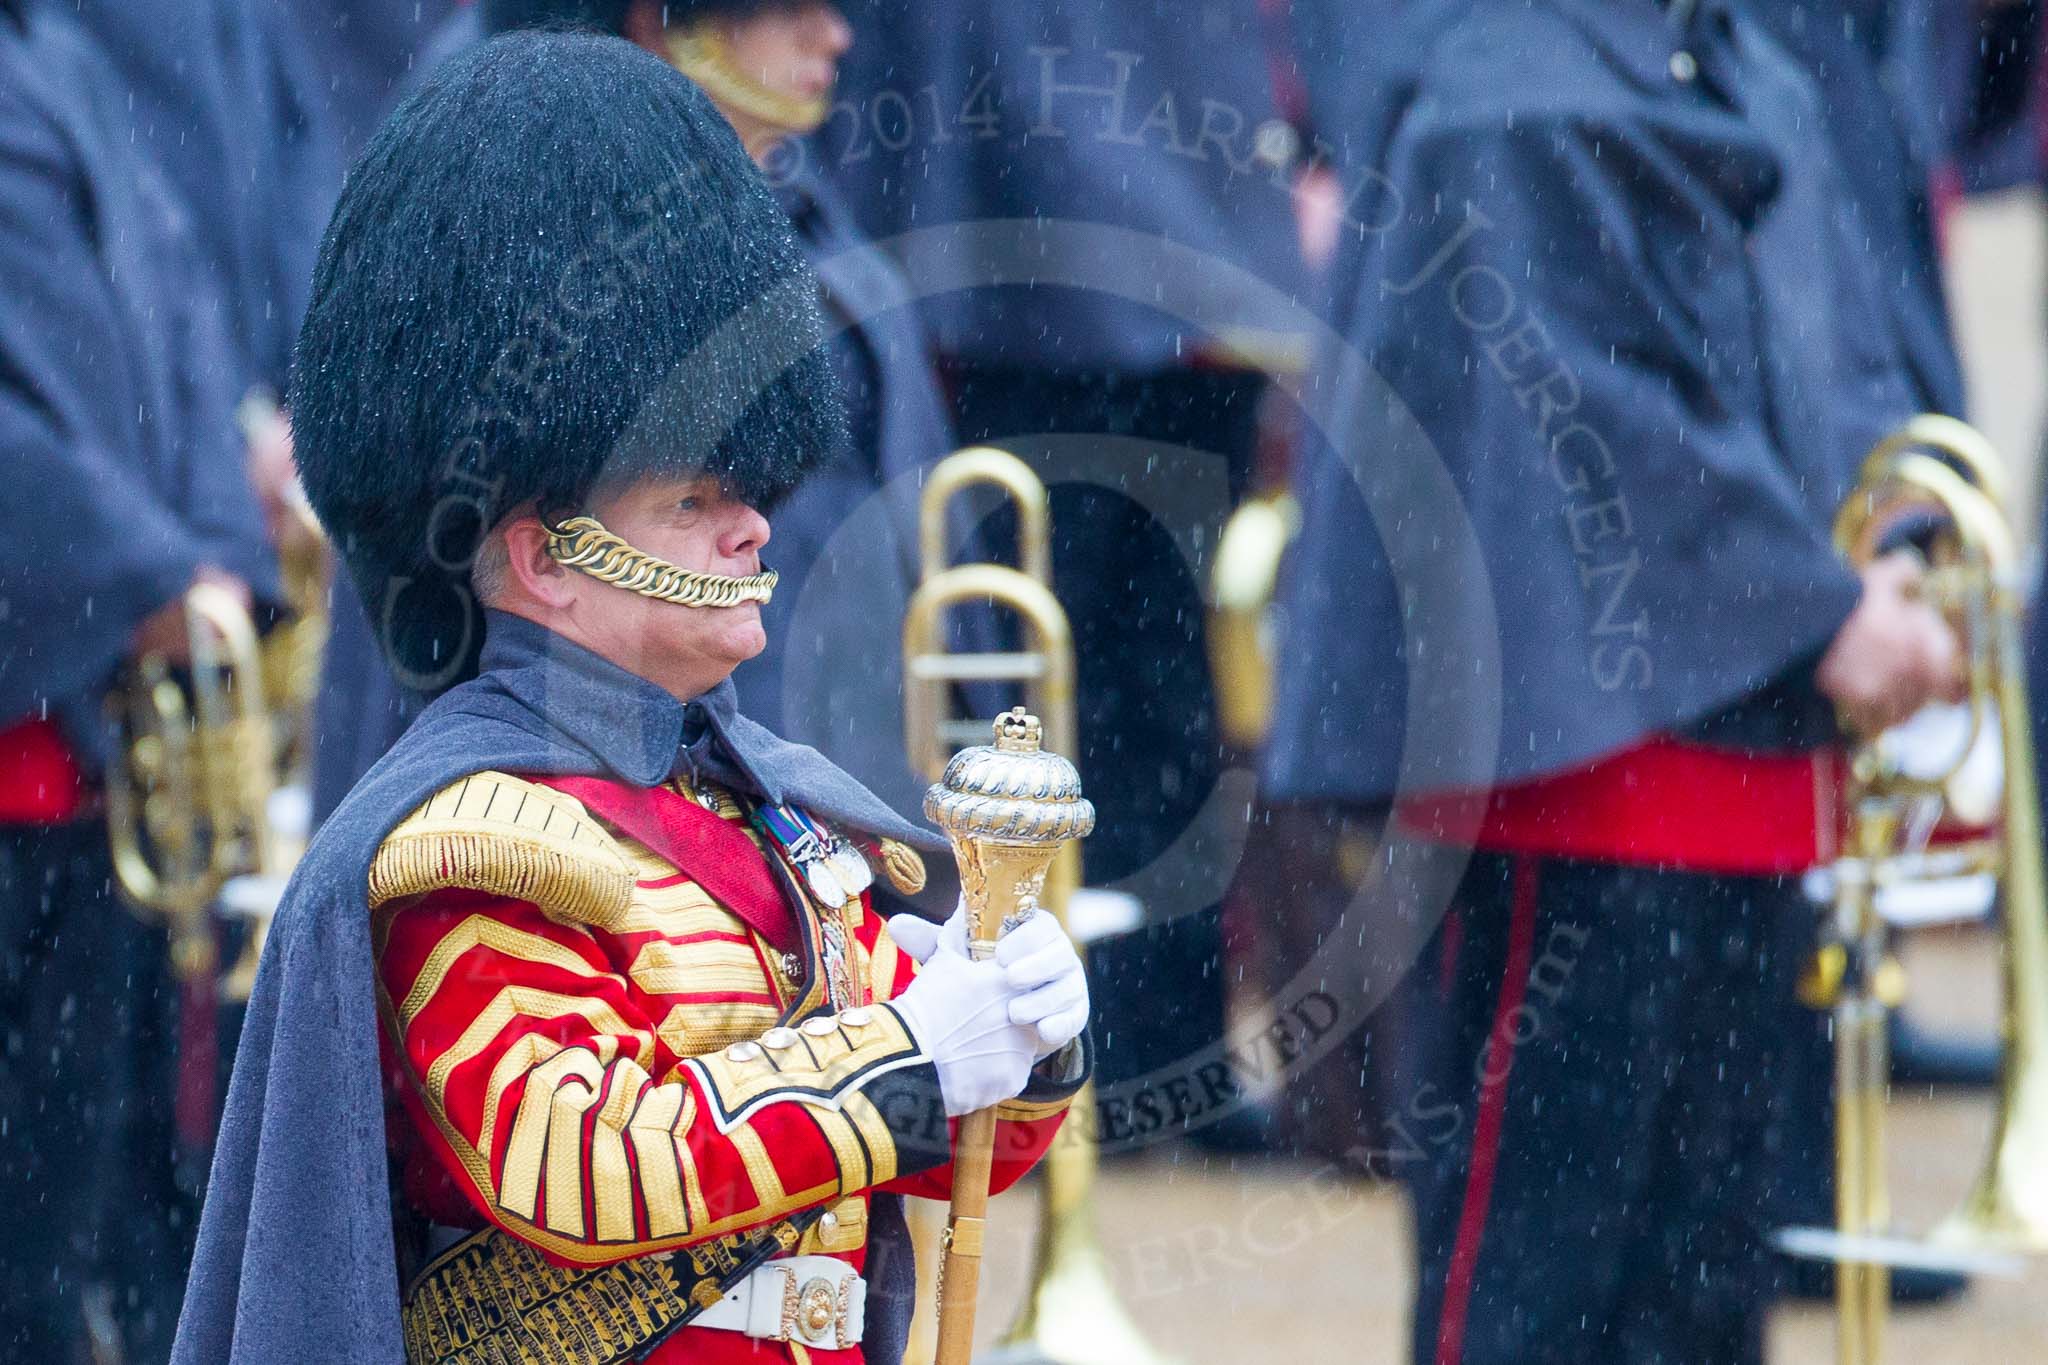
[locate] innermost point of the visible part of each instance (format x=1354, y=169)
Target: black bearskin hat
x=502, y=16
x=554, y=265
x=605, y=16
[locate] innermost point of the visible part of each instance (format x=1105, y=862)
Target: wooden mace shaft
x=996, y=877
x=960, y=1258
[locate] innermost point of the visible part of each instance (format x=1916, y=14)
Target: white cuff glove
x=958, y=1010
x=1041, y=971
x=1050, y=989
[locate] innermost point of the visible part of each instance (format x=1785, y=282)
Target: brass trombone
x=1973, y=575
x=931, y=731
x=1069, y=1315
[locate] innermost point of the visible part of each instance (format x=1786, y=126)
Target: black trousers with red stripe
x=1607, y=1058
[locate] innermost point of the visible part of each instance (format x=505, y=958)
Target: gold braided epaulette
x=497, y=833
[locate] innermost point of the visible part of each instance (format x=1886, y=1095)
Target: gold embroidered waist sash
x=492, y=1299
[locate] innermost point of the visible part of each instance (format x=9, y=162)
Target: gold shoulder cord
x=584, y=543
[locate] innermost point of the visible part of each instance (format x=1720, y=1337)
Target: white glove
x=920, y=938
x=1039, y=962
x=1051, y=989
x=958, y=1010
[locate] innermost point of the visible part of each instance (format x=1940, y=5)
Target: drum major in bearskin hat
x=517, y=302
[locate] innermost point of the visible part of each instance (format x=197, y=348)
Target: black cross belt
x=492, y=1299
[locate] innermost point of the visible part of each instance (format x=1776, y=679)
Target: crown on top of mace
x=1011, y=791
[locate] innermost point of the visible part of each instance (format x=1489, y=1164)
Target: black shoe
x=1923, y=1058
x=1911, y=1285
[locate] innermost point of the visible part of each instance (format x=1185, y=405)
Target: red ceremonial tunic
x=572, y=1075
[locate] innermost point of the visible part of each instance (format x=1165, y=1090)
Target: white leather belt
x=814, y=1300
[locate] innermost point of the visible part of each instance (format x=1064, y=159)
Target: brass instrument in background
x=1974, y=577
x=209, y=775
x=292, y=656
x=931, y=732
x=1241, y=628
x=188, y=776
x=1069, y=1315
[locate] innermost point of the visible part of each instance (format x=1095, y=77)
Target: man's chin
x=748, y=637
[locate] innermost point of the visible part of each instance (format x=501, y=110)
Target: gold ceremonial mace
x=1007, y=807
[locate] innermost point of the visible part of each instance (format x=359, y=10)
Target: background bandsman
x=1610, y=293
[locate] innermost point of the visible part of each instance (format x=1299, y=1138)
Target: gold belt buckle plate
x=816, y=1310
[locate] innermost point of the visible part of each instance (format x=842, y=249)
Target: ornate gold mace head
x=1007, y=807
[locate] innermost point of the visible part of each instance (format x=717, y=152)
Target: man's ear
x=538, y=576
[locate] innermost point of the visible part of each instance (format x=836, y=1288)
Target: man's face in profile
x=694, y=523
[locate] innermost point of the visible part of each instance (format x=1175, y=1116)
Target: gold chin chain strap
x=700, y=53
x=583, y=543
